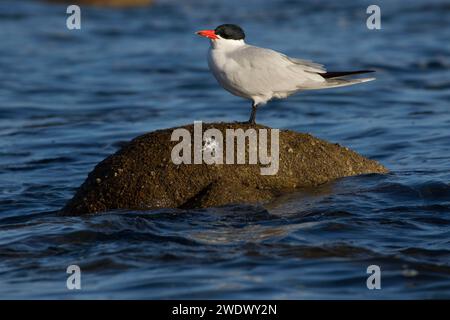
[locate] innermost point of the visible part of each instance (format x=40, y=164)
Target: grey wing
x=308, y=65
x=266, y=71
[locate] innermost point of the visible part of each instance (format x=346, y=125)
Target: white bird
x=260, y=74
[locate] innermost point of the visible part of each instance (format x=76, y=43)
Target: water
x=70, y=98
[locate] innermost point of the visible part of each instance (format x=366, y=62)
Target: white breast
x=223, y=69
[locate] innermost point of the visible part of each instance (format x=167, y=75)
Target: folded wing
x=264, y=71
x=267, y=73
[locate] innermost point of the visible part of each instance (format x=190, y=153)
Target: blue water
x=70, y=98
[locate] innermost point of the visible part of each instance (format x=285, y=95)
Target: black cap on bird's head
x=225, y=31
x=230, y=31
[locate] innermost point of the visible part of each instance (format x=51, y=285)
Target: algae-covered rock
x=143, y=175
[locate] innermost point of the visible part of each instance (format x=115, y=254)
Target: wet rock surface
x=141, y=175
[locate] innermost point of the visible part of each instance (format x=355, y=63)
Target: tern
x=260, y=74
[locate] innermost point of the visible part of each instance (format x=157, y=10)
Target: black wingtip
x=329, y=75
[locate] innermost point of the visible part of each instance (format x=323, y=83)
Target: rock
x=109, y=3
x=141, y=175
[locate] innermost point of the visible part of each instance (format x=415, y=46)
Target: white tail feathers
x=339, y=82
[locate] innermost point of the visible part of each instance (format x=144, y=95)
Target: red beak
x=211, y=34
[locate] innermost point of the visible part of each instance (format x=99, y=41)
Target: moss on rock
x=141, y=175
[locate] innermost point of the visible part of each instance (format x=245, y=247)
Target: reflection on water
x=68, y=99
